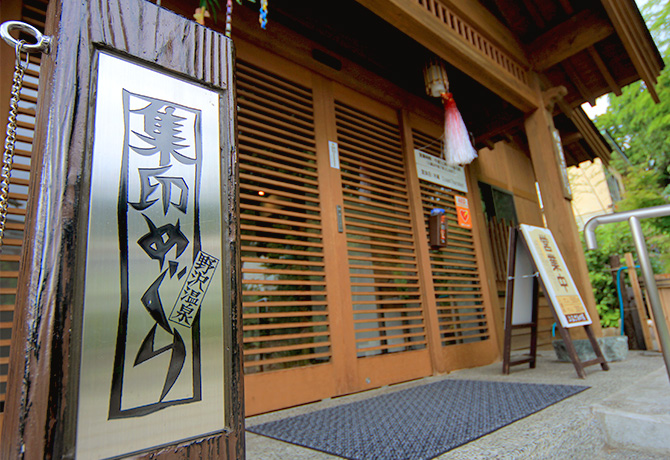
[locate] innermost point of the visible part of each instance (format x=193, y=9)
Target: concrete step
x=637, y=418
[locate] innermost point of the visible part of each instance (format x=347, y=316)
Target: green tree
x=642, y=128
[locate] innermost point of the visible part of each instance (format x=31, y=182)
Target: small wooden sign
x=534, y=260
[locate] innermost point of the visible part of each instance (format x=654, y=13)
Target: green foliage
x=642, y=128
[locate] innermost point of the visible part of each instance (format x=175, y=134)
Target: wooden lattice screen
x=33, y=12
x=388, y=314
x=283, y=274
x=456, y=275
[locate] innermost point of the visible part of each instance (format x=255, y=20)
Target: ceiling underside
x=591, y=63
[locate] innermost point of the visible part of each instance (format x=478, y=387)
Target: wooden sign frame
x=526, y=272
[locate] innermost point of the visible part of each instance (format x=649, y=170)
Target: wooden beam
x=567, y=6
x=602, y=67
x=577, y=81
x=571, y=138
x=567, y=39
x=489, y=26
x=587, y=130
x=428, y=30
x=535, y=14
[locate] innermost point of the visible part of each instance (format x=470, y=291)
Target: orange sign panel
x=463, y=212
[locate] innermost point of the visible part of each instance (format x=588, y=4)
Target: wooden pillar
x=557, y=209
x=422, y=248
x=118, y=67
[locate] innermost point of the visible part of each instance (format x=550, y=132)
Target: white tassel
x=457, y=148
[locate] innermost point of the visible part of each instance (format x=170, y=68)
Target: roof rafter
x=567, y=39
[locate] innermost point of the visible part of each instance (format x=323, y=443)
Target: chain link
x=10, y=139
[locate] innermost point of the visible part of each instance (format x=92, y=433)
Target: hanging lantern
x=457, y=148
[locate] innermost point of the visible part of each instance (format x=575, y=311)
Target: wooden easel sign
x=535, y=260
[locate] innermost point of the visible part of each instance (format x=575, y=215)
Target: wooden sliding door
x=341, y=292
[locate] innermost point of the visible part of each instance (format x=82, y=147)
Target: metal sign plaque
x=152, y=366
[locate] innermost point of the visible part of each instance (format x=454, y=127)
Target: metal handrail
x=633, y=218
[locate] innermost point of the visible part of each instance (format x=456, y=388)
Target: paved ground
x=571, y=429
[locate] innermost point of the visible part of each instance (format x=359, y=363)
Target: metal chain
x=10, y=138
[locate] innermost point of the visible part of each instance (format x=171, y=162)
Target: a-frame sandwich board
x=534, y=260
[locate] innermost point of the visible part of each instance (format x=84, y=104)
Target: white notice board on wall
x=436, y=170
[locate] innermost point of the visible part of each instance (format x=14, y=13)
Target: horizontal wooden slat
x=362, y=181
x=397, y=284
x=266, y=362
x=279, y=294
x=304, y=120
x=389, y=346
x=379, y=231
x=265, y=131
x=402, y=256
x=280, y=193
x=256, y=75
x=288, y=314
x=292, y=303
x=301, y=346
x=387, y=329
x=255, y=249
x=365, y=210
x=264, y=180
x=279, y=231
x=262, y=327
x=282, y=337
x=356, y=129
x=383, y=302
x=289, y=128
x=302, y=170
x=291, y=96
x=398, y=262
x=355, y=116
x=382, y=311
x=284, y=282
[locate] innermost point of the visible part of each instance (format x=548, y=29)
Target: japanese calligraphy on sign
x=556, y=278
x=188, y=302
x=436, y=170
x=152, y=347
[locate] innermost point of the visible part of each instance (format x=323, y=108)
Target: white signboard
x=558, y=283
x=334, y=152
x=522, y=295
x=436, y=170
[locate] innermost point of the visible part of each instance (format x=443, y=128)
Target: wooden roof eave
x=635, y=37
x=597, y=145
x=492, y=67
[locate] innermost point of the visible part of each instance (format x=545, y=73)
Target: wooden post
x=632, y=323
x=51, y=396
x=557, y=208
x=639, y=301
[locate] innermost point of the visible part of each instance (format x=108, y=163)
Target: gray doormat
x=418, y=423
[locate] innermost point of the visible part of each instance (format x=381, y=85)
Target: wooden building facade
x=341, y=289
